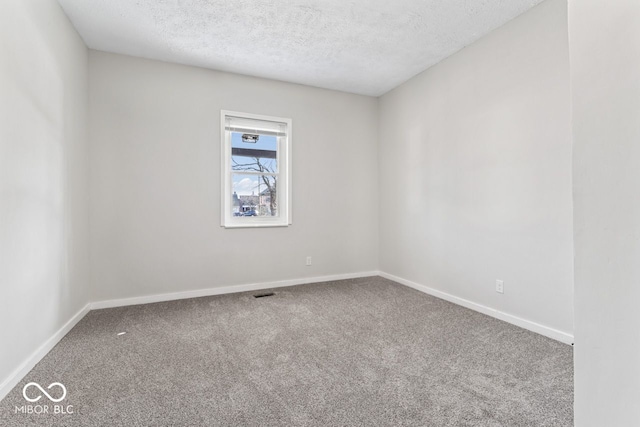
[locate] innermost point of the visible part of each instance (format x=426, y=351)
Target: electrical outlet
x=500, y=286
x=308, y=261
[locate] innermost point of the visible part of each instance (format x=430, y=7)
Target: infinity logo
x=64, y=392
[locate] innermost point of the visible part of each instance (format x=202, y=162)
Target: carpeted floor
x=361, y=352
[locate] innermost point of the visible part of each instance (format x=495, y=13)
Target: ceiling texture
x=360, y=46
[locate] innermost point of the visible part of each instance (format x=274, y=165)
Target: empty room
x=319, y=213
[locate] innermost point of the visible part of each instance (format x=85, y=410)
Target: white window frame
x=284, y=176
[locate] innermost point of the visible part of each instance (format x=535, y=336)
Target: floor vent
x=264, y=295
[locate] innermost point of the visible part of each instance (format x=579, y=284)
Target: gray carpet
x=361, y=352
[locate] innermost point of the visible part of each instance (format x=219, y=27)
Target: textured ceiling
x=359, y=46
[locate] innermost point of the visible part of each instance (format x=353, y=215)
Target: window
x=256, y=152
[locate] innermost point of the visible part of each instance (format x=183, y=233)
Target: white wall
x=155, y=180
x=605, y=64
x=475, y=172
x=43, y=177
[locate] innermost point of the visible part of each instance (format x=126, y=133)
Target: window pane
x=254, y=195
x=254, y=152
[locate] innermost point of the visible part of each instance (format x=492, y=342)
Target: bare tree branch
x=271, y=184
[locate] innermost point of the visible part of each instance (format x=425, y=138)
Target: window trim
x=284, y=171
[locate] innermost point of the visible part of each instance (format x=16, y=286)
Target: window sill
x=256, y=225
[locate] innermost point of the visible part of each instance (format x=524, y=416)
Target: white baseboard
x=225, y=290
x=16, y=376
x=509, y=318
